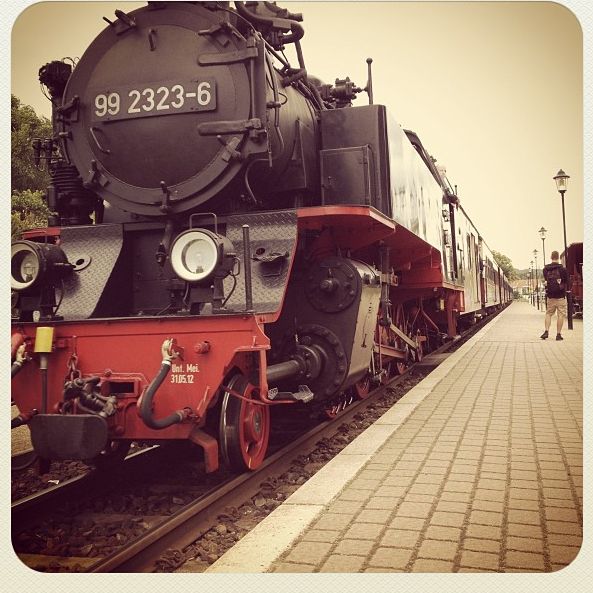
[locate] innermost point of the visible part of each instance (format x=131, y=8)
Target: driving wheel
x=244, y=425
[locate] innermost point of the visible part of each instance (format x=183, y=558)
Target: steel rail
x=28, y=509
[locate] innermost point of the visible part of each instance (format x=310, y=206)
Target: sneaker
x=559, y=337
x=544, y=335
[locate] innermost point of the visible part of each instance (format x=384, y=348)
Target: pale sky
x=493, y=89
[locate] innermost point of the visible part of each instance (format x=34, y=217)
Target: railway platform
x=478, y=468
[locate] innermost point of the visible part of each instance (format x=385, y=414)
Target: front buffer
x=95, y=386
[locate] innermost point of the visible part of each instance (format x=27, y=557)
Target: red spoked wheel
x=419, y=351
x=401, y=367
x=362, y=388
x=400, y=323
x=386, y=363
x=244, y=428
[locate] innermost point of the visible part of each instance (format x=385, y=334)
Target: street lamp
x=536, y=278
x=542, y=234
x=532, y=299
x=561, y=179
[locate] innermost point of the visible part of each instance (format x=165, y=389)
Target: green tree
x=28, y=208
x=28, y=211
x=26, y=125
x=506, y=264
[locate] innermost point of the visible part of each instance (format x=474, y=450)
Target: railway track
x=140, y=549
x=160, y=533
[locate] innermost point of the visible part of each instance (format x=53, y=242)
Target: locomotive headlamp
x=199, y=254
x=33, y=264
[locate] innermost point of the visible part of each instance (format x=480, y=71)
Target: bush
x=26, y=125
x=28, y=211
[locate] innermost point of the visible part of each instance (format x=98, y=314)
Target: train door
x=482, y=266
x=460, y=258
x=470, y=278
x=474, y=249
x=448, y=262
x=499, y=283
x=490, y=282
x=486, y=279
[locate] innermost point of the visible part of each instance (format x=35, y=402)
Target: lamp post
x=536, y=279
x=542, y=234
x=561, y=179
x=531, y=282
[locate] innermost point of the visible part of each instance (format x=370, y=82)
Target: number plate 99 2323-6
x=162, y=98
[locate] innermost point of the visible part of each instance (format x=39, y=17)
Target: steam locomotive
x=228, y=233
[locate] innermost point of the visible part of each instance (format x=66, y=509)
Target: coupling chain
x=73, y=370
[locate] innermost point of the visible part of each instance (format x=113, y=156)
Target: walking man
x=556, y=278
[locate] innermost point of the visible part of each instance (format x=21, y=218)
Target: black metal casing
x=337, y=315
x=171, y=112
x=355, y=157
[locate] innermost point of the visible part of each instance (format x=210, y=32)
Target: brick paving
x=482, y=472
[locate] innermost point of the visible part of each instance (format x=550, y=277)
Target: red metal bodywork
x=126, y=354
x=361, y=229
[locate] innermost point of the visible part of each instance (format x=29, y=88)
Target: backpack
x=555, y=285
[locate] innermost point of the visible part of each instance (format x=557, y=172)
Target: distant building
x=523, y=286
